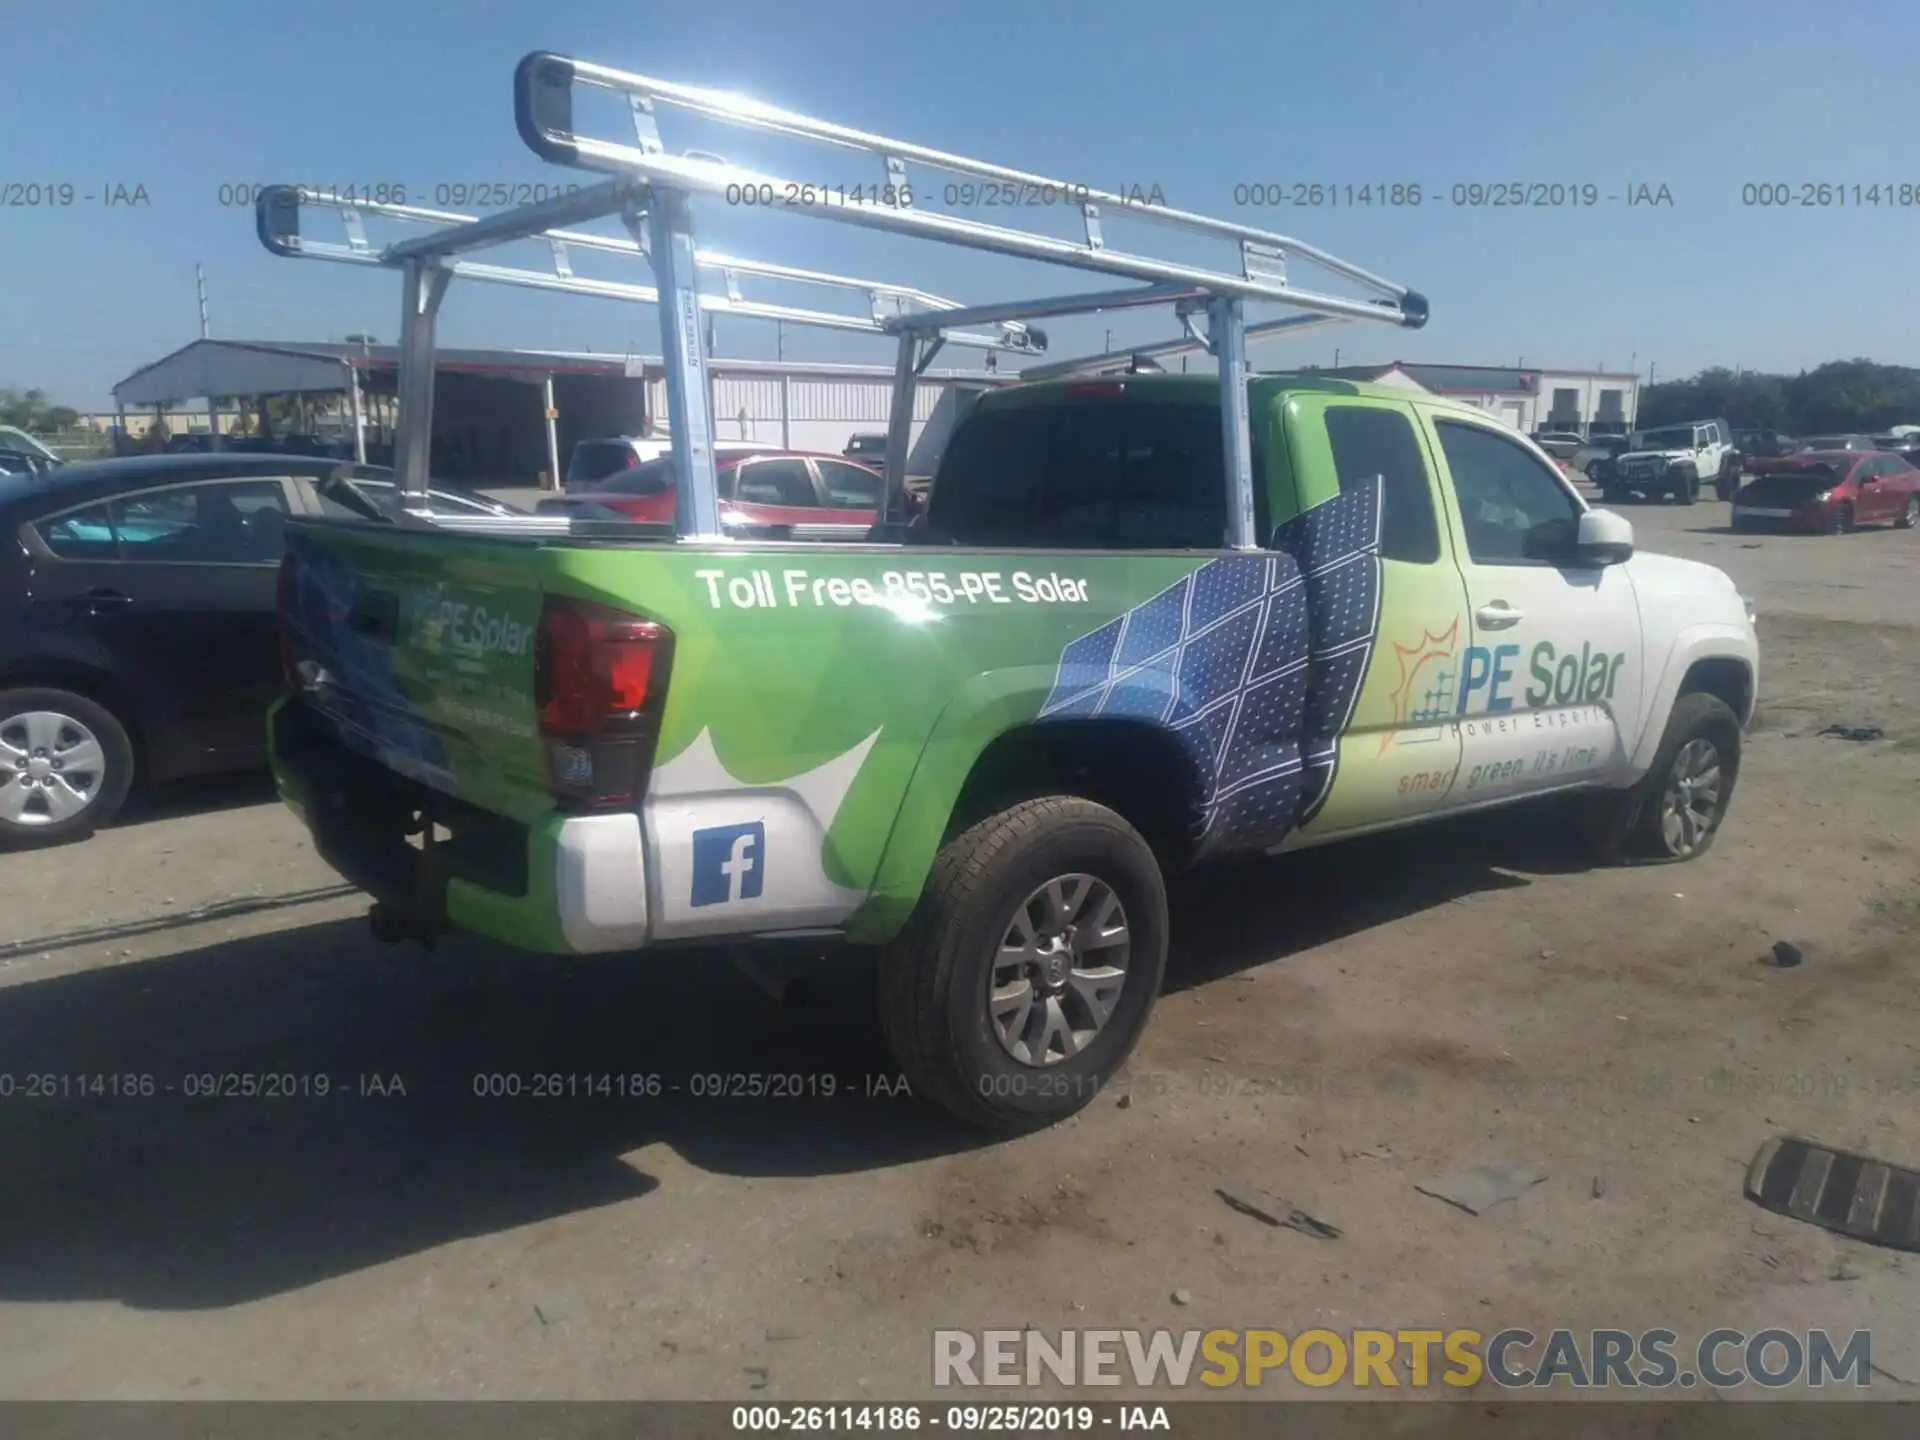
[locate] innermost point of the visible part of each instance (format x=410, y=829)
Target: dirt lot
x=1460, y=994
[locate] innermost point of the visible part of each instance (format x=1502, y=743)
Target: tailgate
x=415, y=647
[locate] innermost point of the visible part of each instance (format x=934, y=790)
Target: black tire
x=1909, y=516
x=1842, y=519
x=1613, y=495
x=935, y=976
x=1632, y=824
x=1687, y=489
x=1727, y=485
x=107, y=784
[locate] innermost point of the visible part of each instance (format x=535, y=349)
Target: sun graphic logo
x=1425, y=688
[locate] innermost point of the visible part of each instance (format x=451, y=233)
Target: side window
x=1513, y=510
x=774, y=482
x=1369, y=442
x=217, y=523
x=80, y=534
x=849, y=485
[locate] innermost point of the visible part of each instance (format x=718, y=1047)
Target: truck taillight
x=283, y=615
x=599, y=685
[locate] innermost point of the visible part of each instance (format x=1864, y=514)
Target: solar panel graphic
x=1254, y=662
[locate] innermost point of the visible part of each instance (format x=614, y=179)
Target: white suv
x=1676, y=460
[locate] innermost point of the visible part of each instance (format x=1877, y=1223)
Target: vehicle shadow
x=267, y=1112
x=1318, y=896
x=204, y=795
x=195, y=1187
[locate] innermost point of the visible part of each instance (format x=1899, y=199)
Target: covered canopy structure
x=505, y=417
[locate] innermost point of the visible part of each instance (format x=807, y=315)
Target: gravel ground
x=1337, y=1028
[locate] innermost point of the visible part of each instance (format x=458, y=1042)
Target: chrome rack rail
x=279, y=211
x=652, y=191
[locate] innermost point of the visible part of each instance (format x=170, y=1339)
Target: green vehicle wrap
x=826, y=705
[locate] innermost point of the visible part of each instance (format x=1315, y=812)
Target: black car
x=137, y=640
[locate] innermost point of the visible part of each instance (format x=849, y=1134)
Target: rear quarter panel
x=844, y=694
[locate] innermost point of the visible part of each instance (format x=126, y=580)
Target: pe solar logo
x=729, y=863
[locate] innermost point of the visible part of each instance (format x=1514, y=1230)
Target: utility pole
x=1108, y=348
x=200, y=280
x=780, y=340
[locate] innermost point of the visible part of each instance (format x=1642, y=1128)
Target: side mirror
x=1604, y=538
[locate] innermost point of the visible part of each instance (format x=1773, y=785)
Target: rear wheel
x=1910, y=515
x=65, y=765
x=1030, y=965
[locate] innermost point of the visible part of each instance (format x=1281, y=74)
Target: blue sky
x=1196, y=98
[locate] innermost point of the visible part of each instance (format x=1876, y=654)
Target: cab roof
x=1204, y=389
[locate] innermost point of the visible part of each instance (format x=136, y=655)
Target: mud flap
x=1852, y=1195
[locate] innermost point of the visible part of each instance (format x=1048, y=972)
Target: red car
x=780, y=490
x=1830, y=492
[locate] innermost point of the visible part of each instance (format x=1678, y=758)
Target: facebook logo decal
x=729, y=863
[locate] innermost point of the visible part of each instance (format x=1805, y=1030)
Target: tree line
x=1839, y=397
x=30, y=410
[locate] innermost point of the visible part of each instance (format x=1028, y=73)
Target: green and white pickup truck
x=982, y=750
x=1143, y=622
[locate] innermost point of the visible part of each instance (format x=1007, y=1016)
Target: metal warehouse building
x=507, y=417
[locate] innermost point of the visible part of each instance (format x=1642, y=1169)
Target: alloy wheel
x=51, y=768
x=1061, y=966
x=1690, y=802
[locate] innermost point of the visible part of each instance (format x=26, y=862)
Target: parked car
x=1610, y=448
x=137, y=634
x=1812, y=445
x=25, y=462
x=1676, y=460
x=594, y=460
x=868, y=449
x=1763, y=445
x=1830, y=492
x=333, y=447
x=784, y=491
x=1561, y=444
x=13, y=438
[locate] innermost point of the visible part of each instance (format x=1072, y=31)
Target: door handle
x=102, y=599
x=1498, y=615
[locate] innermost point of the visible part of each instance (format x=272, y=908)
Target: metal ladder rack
x=280, y=210
x=652, y=191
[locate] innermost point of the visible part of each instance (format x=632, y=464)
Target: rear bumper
x=1813, y=519
x=562, y=884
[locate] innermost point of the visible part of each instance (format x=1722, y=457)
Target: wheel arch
x=93, y=684
x=999, y=755
x=1717, y=659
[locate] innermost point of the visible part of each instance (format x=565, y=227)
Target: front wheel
x=1842, y=523
x=1687, y=490
x=1675, y=810
x=1030, y=965
x=1910, y=516
x=65, y=765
